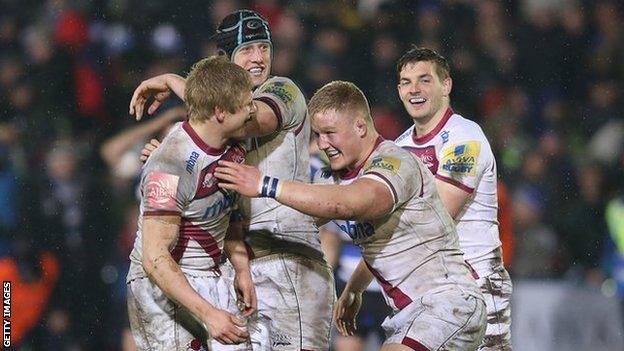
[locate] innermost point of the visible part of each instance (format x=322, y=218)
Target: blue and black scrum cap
x=241, y=28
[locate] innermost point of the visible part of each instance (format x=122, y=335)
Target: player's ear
x=447, y=85
x=361, y=128
x=219, y=114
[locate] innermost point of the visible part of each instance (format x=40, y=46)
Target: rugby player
x=294, y=284
x=387, y=201
x=457, y=152
x=173, y=280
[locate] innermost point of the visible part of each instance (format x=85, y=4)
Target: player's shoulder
x=389, y=156
x=173, y=153
x=391, y=148
x=460, y=128
x=279, y=86
x=406, y=137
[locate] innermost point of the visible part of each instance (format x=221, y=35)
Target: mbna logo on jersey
x=462, y=158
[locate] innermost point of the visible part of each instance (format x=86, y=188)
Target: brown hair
x=340, y=96
x=215, y=82
x=417, y=54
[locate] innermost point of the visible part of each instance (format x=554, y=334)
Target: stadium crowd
x=542, y=78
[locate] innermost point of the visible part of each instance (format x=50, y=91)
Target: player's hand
x=148, y=149
x=155, y=87
x=347, y=308
x=225, y=328
x=241, y=178
x=245, y=293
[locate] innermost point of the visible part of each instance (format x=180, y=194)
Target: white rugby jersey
x=414, y=249
x=285, y=155
x=457, y=152
x=178, y=180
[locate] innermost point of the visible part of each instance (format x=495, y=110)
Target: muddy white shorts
x=158, y=323
x=496, y=288
x=296, y=296
x=444, y=320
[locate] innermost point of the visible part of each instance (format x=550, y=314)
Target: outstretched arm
x=364, y=199
x=113, y=149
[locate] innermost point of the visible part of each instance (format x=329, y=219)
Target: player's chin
x=337, y=164
x=258, y=80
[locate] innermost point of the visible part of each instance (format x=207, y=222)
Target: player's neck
x=368, y=146
x=209, y=133
x=425, y=125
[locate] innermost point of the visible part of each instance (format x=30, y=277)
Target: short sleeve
x=164, y=191
x=285, y=99
x=398, y=171
x=463, y=163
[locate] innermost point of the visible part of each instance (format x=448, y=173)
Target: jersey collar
x=199, y=142
x=346, y=175
x=419, y=140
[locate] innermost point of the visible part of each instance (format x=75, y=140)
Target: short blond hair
x=215, y=82
x=340, y=96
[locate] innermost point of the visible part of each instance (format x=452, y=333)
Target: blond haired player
x=407, y=238
x=457, y=152
x=173, y=281
x=294, y=284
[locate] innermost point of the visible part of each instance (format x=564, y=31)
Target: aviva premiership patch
x=388, y=163
x=461, y=159
x=285, y=92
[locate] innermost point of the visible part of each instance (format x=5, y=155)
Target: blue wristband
x=269, y=187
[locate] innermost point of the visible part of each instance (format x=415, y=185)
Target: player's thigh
x=497, y=289
x=277, y=324
x=349, y=343
x=446, y=320
x=159, y=324
x=313, y=281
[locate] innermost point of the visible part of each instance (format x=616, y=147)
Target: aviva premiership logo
x=388, y=163
x=461, y=159
x=285, y=92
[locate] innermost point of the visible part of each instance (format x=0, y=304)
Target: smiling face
x=236, y=121
x=255, y=58
x=340, y=136
x=423, y=92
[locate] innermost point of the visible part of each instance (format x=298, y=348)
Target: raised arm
x=114, y=148
x=159, y=87
x=160, y=233
x=265, y=120
x=364, y=199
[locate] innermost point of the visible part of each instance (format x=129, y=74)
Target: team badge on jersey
x=208, y=184
x=427, y=156
x=285, y=92
x=461, y=158
x=388, y=163
x=161, y=190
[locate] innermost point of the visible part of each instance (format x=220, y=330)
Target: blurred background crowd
x=543, y=78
